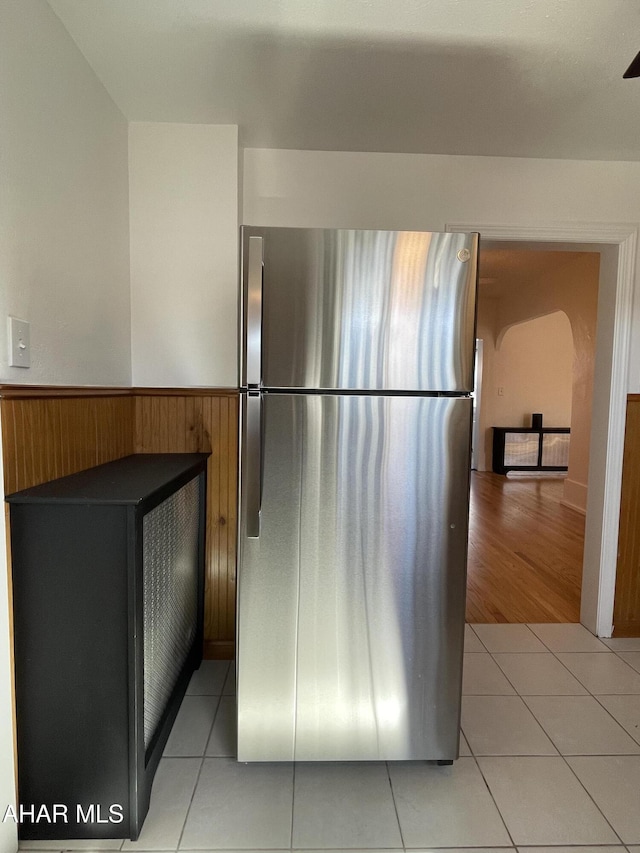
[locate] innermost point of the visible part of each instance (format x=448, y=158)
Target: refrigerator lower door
x=351, y=600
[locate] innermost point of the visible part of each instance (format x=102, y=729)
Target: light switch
x=19, y=343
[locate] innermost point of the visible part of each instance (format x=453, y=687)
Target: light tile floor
x=550, y=761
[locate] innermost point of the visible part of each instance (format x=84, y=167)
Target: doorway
x=537, y=311
x=525, y=541
x=617, y=247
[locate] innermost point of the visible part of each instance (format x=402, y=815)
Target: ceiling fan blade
x=634, y=69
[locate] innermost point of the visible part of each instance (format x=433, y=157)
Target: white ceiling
x=524, y=78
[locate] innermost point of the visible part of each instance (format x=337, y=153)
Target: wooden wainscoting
x=188, y=421
x=50, y=432
x=47, y=436
x=626, y=611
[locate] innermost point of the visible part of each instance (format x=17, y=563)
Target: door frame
x=617, y=243
x=477, y=401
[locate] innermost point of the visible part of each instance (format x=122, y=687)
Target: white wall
x=416, y=191
x=64, y=242
x=534, y=367
x=64, y=234
x=184, y=182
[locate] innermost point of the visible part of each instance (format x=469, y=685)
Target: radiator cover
x=108, y=577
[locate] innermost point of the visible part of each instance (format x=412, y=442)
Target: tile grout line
x=597, y=651
x=555, y=654
x=604, y=707
x=226, y=678
x=520, y=754
x=475, y=634
x=598, y=809
x=202, y=760
x=624, y=661
x=526, y=625
x=213, y=722
x=511, y=684
x=493, y=799
x=395, y=807
x=571, y=754
x=604, y=817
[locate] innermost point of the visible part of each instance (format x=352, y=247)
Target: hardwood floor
x=525, y=551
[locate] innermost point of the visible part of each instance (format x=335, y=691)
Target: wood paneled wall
x=52, y=432
x=184, y=422
x=45, y=437
x=626, y=611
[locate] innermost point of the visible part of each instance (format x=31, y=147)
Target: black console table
x=108, y=615
x=530, y=449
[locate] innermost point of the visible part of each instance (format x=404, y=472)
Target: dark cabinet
x=530, y=449
x=108, y=569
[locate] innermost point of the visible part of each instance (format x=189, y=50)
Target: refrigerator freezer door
x=351, y=601
x=365, y=310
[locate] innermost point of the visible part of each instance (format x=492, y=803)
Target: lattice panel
x=170, y=570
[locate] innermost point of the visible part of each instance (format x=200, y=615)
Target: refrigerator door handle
x=254, y=313
x=253, y=464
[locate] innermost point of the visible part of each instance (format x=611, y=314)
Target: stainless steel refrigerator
x=357, y=368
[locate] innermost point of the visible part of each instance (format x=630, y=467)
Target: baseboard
x=574, y=496
x=219, y=650
x=572, y=506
